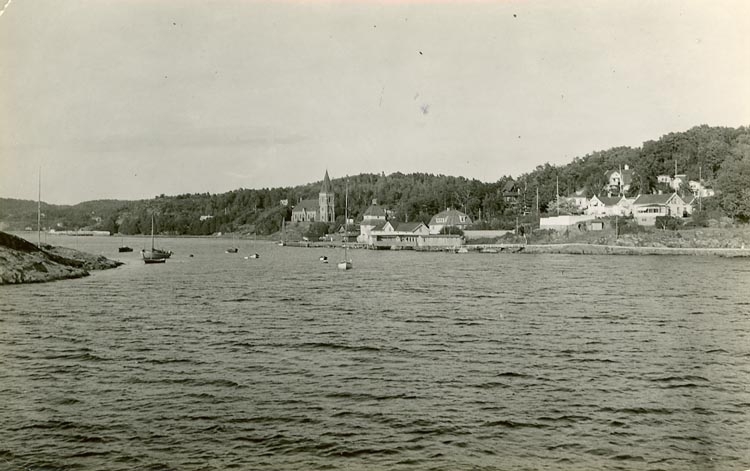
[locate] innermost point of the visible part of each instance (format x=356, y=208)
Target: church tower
x=325, y=201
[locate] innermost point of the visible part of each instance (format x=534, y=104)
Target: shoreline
x=22, y=262
x=580, y=248
x=595, y=249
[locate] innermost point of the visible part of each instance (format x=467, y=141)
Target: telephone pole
x=700, y=189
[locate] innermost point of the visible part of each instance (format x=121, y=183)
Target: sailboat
x=234, y=248
x=154, y=255
x=346, y=263
x=282, y=242
x=253, y=255
x=123, y=248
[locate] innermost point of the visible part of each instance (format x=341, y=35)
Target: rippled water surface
x=409, y=361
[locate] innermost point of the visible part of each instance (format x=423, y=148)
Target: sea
x=409, y=361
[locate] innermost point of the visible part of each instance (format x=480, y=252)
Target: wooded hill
x=721, y=155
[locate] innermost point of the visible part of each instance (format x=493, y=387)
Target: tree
x=733, y=183
x=316, y=230
x=564, y=205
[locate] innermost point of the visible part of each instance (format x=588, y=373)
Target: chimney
x=627, y=167
x=374, y=201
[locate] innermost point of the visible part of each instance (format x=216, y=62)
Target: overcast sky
x=129, y=99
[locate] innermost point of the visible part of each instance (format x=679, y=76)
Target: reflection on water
x=409, y=361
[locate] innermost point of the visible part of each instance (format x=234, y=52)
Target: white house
x=579, y=199
x=619, y=180
x=397, y=234
x=700, y=190
x=449, y=218
x=374, y=218
x=665, y=179
x=646, y=208
x=602, y=206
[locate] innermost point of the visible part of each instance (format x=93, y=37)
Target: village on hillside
x=379, y=228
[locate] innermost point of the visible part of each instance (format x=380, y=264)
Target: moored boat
x=154, y=255
x=346, y=263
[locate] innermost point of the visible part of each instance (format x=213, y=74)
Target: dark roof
x=654, y=199
x=609, y=200
x=326, y=188
x=407, y=226
x=452, y=218
x=307, y=205
x=688, y=199
x=510, y=187
x=374, y=211
x=377, y=224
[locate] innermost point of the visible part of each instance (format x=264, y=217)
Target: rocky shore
x=23, y=262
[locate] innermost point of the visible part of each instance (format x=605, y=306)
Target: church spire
x=325, y=201
x=326, y=188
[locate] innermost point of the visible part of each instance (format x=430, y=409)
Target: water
x=411, y=361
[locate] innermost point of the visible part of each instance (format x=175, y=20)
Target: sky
x=129, y=99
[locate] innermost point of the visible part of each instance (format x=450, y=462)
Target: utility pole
x=700, y=189
x=557, y=194
x=537, y=202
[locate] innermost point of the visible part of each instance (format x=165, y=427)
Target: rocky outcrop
x=23, y=262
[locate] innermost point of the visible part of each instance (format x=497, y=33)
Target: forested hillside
x=719, y=155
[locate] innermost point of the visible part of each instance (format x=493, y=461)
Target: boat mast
x=152, y=232
x=346, y=221
x=39, y=211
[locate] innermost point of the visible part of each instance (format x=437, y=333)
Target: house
x=449, y=218
x=317, y=210
x=602, y=206
x=646, y=208
x=665, y=179
x=579, y=199
x=374, y=218
x=349, y=234
x=511, y=191
x=306, y=211
x=619, y=181
x=700, y=190
x=678, y=181
x=375, y=211
x=397, y=235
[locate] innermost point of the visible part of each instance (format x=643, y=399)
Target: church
x=316, y=210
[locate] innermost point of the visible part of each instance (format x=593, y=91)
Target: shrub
x=316, y=230
x=451, y=230
x=670, y=223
